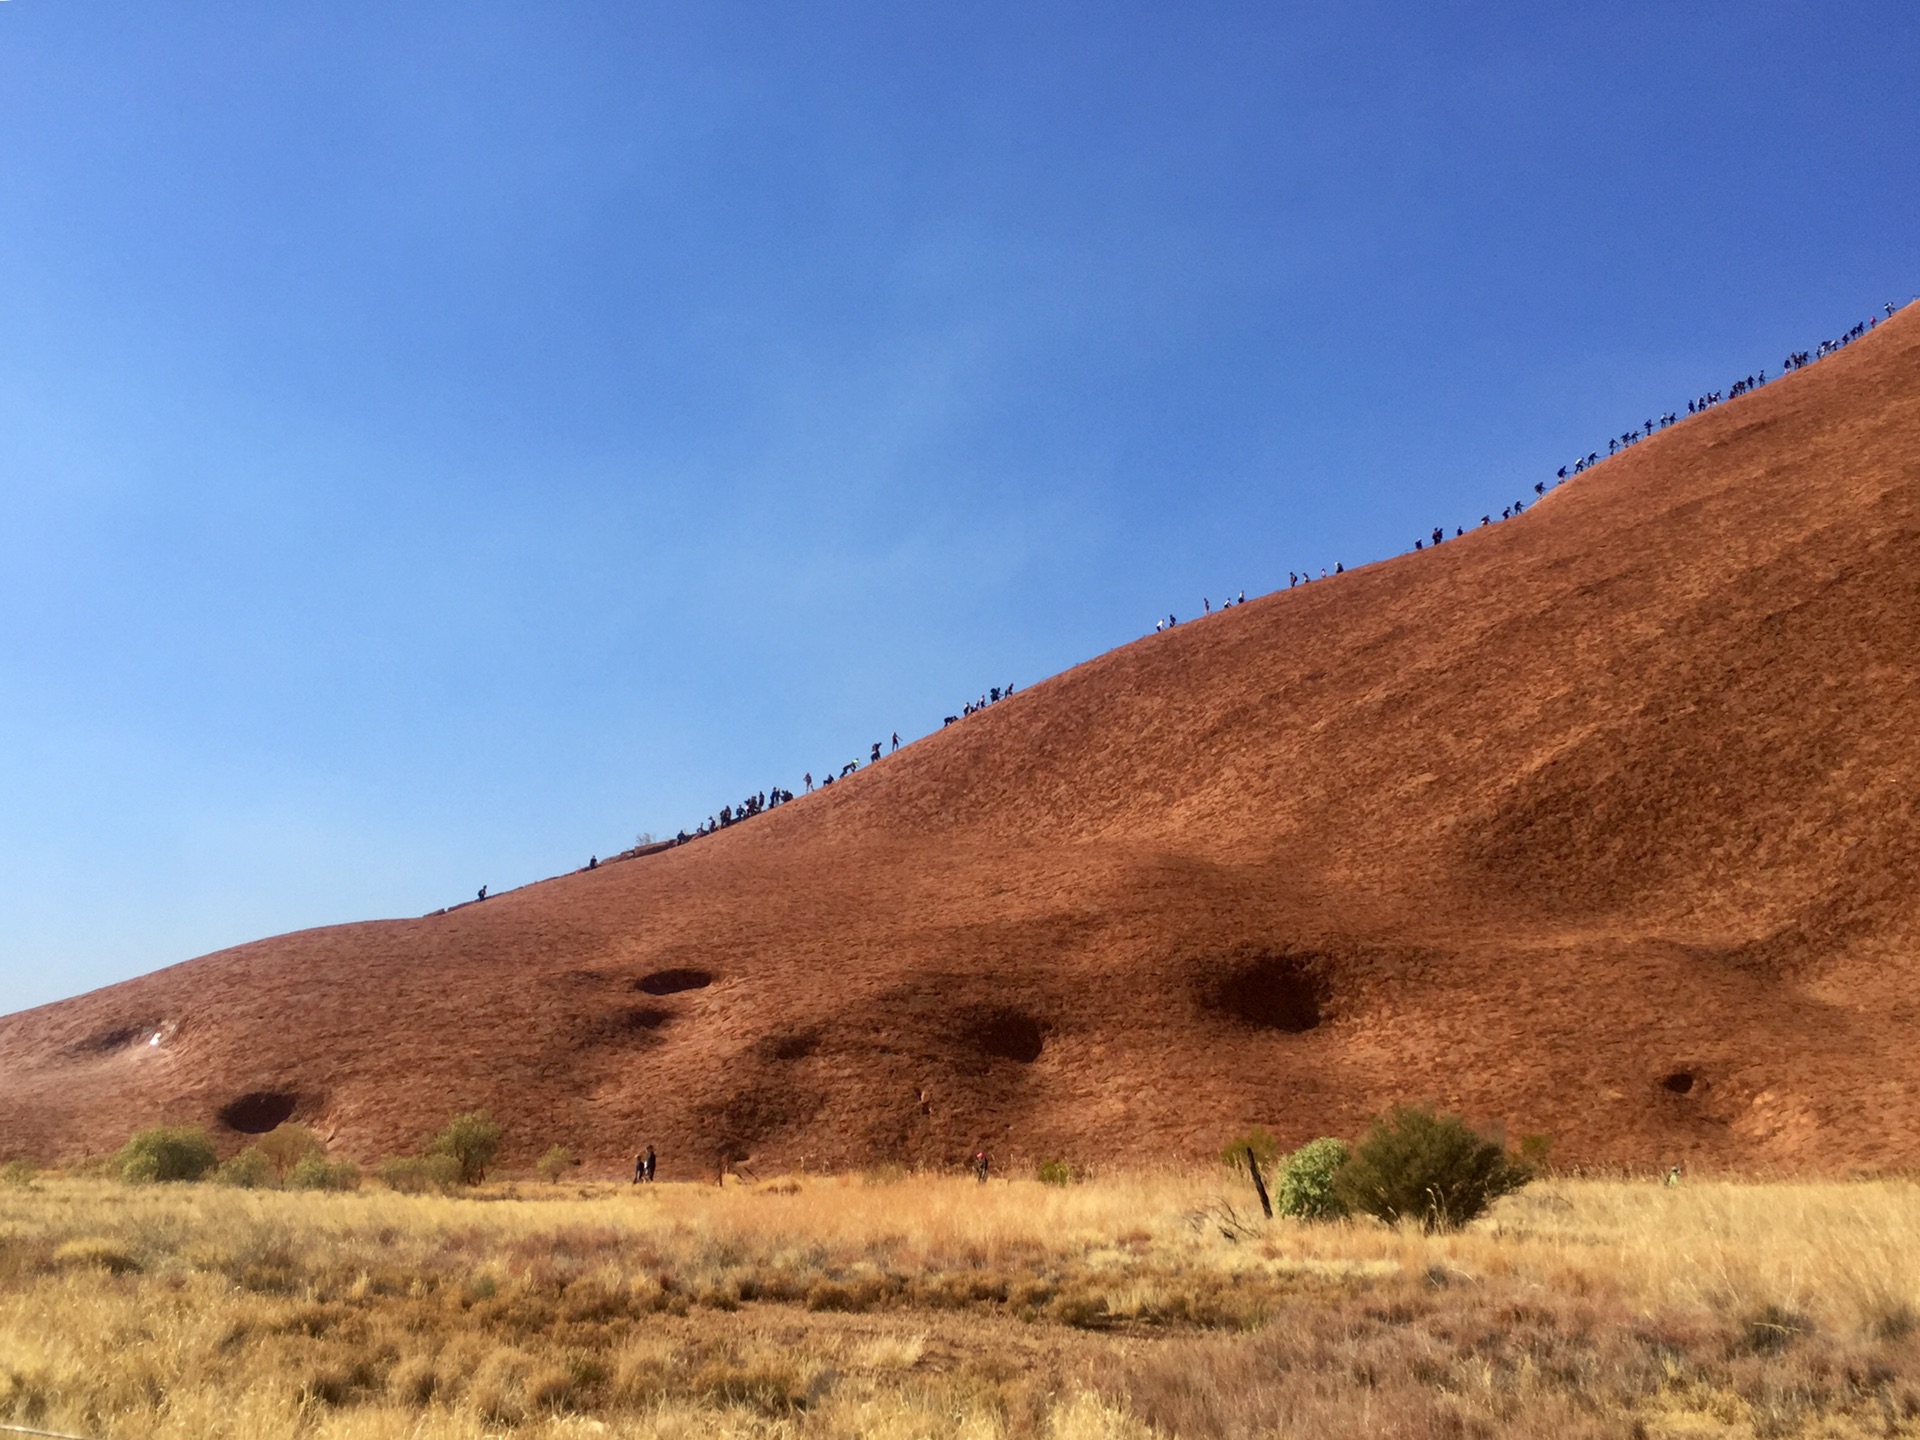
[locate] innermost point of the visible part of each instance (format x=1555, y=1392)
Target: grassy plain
x=923, y=1306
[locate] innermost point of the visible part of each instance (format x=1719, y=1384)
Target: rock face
x=1599, y=823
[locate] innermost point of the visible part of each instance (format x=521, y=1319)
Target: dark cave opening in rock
x=258, y=1111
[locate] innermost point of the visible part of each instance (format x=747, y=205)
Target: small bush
x=1055, y=1172
x=285, y=1146
x=316, y=1172
x=93, y=1253
x=249, y=1170
x=556, y=1162
x=417, y=1174
x=1534, y=1150
x=167, y=1152
x=1265, y=1149
x=1304, y=1188
x=1416, y=1165
x=18, y=1173
x=472, y=1140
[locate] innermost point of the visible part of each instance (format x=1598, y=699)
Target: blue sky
x=439, y=442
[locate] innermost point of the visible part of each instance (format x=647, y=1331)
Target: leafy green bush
x=1304, y=1187
x=417, y=1174
x=166, y=1152
x=1055, y=1172
x=316, y=1172
x=249, y=1170
x=1265, y=1149
x=472, y=1140
x=1416, y=1165
x=556, y=1162
x=286, y=1145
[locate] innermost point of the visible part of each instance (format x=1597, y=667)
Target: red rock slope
x=1599, y=823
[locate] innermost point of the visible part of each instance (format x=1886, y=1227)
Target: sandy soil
x=1599, y=822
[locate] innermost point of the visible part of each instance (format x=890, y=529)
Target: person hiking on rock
x=650, y=1164
x=980, y=1166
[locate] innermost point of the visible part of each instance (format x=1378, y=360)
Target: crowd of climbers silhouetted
x=1702, y=403
x=1617, y=443
x=770, y=799
x=974, y=707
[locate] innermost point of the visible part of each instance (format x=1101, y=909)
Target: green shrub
x=1055, y=1172
x=1534, y=1150
x=249, y=1170
x=316, y=1172
x=285, y=1146
x=1416, y=1165
x=166, y=1152
x=1265, y=1149
x=1304, y=1187
x=17, y=1173
x=556, y=1162
x=417, y=1174
x=472, y=1140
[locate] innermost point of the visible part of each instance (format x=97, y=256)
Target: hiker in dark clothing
x=876, y=753
x=483, y=893
x=650, y=1164
x=980, y=1166
x=639, y=1168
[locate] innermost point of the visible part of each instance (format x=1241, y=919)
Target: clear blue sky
x=439, y=442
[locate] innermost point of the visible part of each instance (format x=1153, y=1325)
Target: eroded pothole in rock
x=259, y=1111
x=644, y=1017
x=1269, y=992
x=1004, y=1033
x=796, y=1046
x=672, y=982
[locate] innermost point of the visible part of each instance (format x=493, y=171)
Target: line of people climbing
x=763, y=801
x=1798, y=360
x=974, y=707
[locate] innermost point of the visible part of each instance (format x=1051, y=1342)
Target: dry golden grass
x=934, y=1307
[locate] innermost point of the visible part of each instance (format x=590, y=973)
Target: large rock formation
x=1599, y=823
